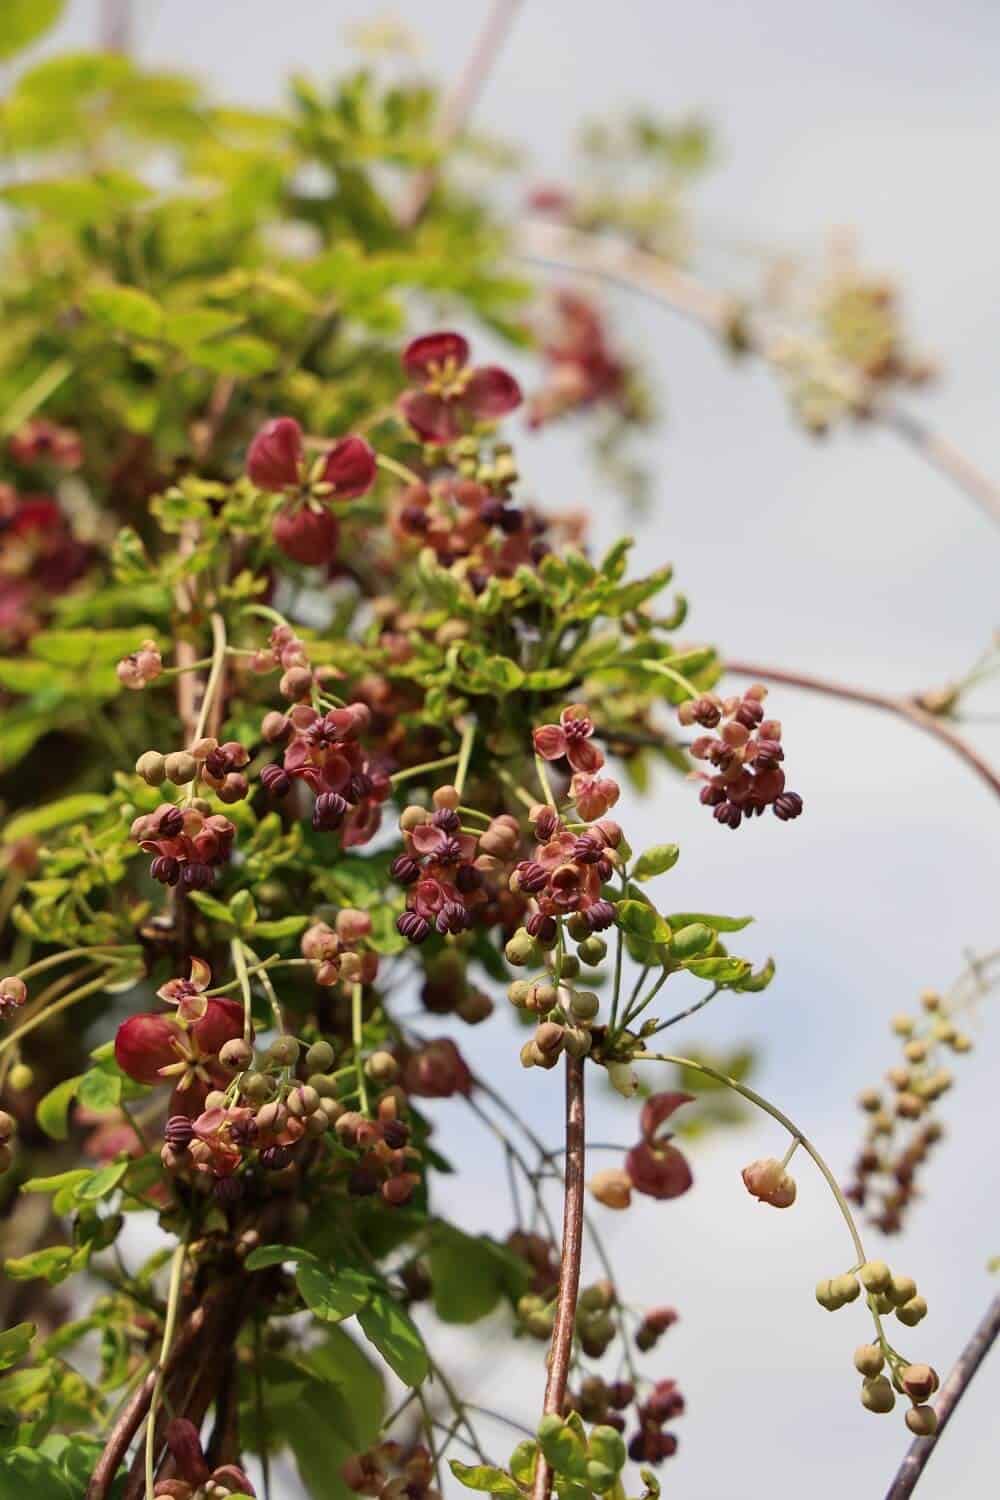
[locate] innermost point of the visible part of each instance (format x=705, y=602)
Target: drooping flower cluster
x=452, y=876
x=651, y=1444
x=305, y=527
x=324, y=750
x=368, y=1473
x=188, y=843
x=566, y=872
x=747, y=754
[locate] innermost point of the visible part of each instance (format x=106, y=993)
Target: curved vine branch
x=919, y=1452
x=572, y=1253
x=562, y=248
x=904, y=708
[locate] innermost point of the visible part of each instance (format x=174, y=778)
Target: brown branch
x=904, y=708
x=459, y=105
x=133, y=1415
x=955, y=1386
x=563, y=248
x=572, y=1252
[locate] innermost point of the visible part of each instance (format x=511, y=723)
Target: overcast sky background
x=847, y=557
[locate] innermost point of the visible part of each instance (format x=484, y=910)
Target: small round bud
x=592, y=951
x=319, y=1057
x=257, y=1087
x=521, y=949
x=585, y=1005
x=902, y=1025
x=179, y=767
x=930, y=1000
x=919, y=1381
x=915, y=1051
x=878, y=1395
x=6, y=1158
x=922, y=1421
x=236, y=1055
x=20, y=1077
x=875, y=1276
x=845, y=1289
x=869, y=1360
x=913, y=1312
x=825, y=1295
x=303, y=1101
x=870, y=1100
x=13, y=990
x=412, y=817
x=382, y=1067
x=8, y=1127
x=215, y=1099
x=612, y=1187
x=518, y=992
x=151, y=766
x=901, y=1289
x=284, y=1051
x=447, y=796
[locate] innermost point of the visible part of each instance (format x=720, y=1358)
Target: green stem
x=67, y=1000
x=268, y=988
x=170, y=1322
x=427, y=765
x=240, y=965
x=105, y=951
x=35, y=395
x=465, y=754
x=543, y=781
x=211, y=686
x=392, y=466
x=663, y=670
x=356, y=1039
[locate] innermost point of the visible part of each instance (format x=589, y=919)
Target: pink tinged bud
x=659, y=1171
x=352, y=925
x=350, y=467
x=612, y=1187
x=275, y=455
x=767, y=1180
x=307, y=536
x=13, y=990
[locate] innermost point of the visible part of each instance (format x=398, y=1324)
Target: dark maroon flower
x=275, y=1157
x=351, y=468
x=405, y=869
x=178, y=1132
x=656, y=1167
x=531, y=876
x=274, y=460
x=599, y=916
x=275, y=781
x=453, y=917
x=165, y=869
x=450, y=394
x=437, y=1071
x=329, y=811
x=413, y=927
x=788, y=805
x=543, y=927
x=307, y=533
x=186, y=1451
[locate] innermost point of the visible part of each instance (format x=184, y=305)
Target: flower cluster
x=324, y=750
x=769, y=1182
x=188, y=843
x=41, y=443
x=651, y=1444
x=902, y=1127
x=304, y=526
x=368, y=1473
x=747, y=755
x=40, y=559
x=452, y=876
x=582, y=369
x=339, y=952
x=448, y=395
x=217, y=767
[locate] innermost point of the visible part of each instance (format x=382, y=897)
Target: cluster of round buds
x=436, y=1070
x=386, y=1159
x=747, y=755
x=595, y=1321
x=446, y=989
x=140, y=668
x=601, y=1401
x=340, y=952
x=368, y=1473
x=8, y=1131
x=13, y=994
x=901, y=1125
x=540, y=1256
x=304, y=526
x=218, y=767
x=653, y=1326
x=887, y=1293
x=450, y=874
x=287, y=651
x=187, y=842
x=769, y=1182
x=650, y=1444
x=878, y=1391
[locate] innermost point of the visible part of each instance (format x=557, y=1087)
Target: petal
x=426, y=839
x=307, y=536
x=191, y=1008
x=491, y=393
x=583, y=755
x=659, y=1107
x=434, y=349
x=350, y=467
x=275, y=454
x=550, y=741
x=660, y=1173
x=222, y=1021
x=143, y=1045
x=201, y=974
x=431, y=417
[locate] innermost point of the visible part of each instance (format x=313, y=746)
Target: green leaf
x=103, y=1182
x=691, y=940
x=275, y=1255
x=721, y=971
x=24, y=21
x=282, y=927
x=241, y=356
x=470, y=1274
x=53, y=1264
x=656, y=861
x=14, y=1343
x=215, y=910
x=52, y=1112
x=59, y=1180
x=64, y=810
x=486, y=1478
x=26, y=1474
x=125, y=309
x=718, y=924
x=101, y=1088
x=523, y=1462
x=396, y=1337
x=335, y=1296
x=642, y=921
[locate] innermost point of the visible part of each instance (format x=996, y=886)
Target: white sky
x=847, y=557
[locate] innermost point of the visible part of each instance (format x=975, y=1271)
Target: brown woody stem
x=903, y=708
x=572, y=1253
x=955, y=1386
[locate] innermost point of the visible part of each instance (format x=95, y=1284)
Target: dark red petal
x=584, y=756
x=434, y=349
x=143, y=1046
x=431, y=417
x=659, y=1107
x=491, y=393
x=309, y=536
x=350, y=467
x=275, y=453
x=659, y=1173
x=222, y=1021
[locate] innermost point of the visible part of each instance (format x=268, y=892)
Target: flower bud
x=303, y=1101
x=623, y=1079
x=284, y=1051
x=319, y=1057
x=612, y=1187
x=919, y=1381
x=878, y=1395
x=585, y=1005
x=13, y=990
x=382, y=1067
x=901, y=1289
x=592, y=951
x=151, y=766
x=875, y=1276
x=913, y=1312
x=922, y=1421
x=179, y=767
x=869, y=1360
x=768, y=1181
x=20, y=1077
x=521, y=949
x=236, y=1055
x=8, y=1127
x=845, y=1289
